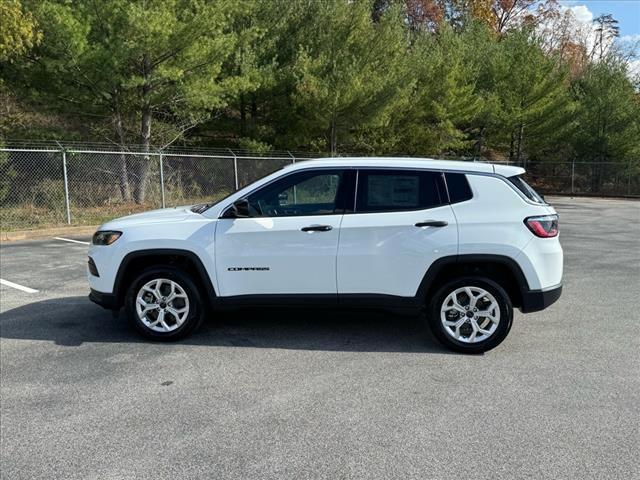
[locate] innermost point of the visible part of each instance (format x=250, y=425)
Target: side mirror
x=239, y=209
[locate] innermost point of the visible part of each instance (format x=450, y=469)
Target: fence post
x=66, y=185
x=235, y=167
x=162, y=181
x=293, y=159
x=573, y=174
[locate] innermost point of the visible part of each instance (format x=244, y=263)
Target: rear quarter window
x=519, y=182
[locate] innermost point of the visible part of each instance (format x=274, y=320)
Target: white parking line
x=16, y=286
x=71, y=240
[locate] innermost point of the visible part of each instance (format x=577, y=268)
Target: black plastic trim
x=377, y=300
x=93, y=270
x=105, y=300
x=303, y=299
x=328, y=300
x=536, y=300
x=452, y=260
x=317, y=228
x=118, y=289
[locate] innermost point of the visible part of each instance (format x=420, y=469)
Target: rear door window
x=397, y=190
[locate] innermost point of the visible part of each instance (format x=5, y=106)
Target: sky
x=627, y=12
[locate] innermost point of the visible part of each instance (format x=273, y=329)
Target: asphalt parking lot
x=301, y=394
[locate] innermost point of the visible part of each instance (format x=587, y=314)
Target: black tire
x=501, y=331
x=195, y=314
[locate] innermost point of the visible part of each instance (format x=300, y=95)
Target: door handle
x=432, y=223
x=317, y=228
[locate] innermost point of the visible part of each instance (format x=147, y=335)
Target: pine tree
x=529, y=92
x=608, y=118
x=154, y=68
x=348, y=72
x=444, y=101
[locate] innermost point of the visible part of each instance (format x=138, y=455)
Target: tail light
x=544, y=226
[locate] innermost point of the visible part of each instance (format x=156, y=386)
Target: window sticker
x=393, y=190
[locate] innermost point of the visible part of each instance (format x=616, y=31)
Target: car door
x=401, y=224
x=288, y=245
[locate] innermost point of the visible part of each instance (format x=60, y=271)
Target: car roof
x=409, y=162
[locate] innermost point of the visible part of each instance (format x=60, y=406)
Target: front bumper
x=105, y=300
x=536, y=300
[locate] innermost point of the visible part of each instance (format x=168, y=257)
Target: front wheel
x=163, y=303
x=471, y=314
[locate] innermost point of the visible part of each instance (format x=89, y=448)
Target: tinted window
x=458, y=187
x=393, y=190
x=524, y=187
x=304, y=193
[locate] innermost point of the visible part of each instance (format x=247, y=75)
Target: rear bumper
x=105, y=300
x=536, y=300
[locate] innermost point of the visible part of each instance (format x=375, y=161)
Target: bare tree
x=606, y=31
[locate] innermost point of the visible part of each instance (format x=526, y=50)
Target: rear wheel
x=470, y=314
x=163, y=303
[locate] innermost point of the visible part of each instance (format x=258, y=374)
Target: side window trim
x=443, y=179
x=355, y=193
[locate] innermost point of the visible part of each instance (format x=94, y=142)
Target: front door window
x=299, y=194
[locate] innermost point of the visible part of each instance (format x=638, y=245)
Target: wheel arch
x=501, y=269
x=138, y=260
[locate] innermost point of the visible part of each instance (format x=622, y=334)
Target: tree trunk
x=512, y=148
x=142, y=171
x=519, y=152
x=477, y=148
x=598, y=167
x=595, y=177
x=123, y=172
x=254, y=113
x=333, y=134
x=243, y=116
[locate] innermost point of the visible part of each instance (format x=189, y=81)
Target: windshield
x=526, y=189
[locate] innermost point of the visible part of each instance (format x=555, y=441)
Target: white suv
x=465, y=242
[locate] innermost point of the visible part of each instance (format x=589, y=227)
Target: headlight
x=106, y=237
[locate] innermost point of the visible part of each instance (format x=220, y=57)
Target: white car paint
x=175, y=228
x=384, y=253
x=492, y=223
x=298, y=262
x=369, y=253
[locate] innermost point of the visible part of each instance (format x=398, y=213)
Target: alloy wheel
x=470, y=314
x=162, y=305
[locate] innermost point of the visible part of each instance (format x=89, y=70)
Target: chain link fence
x=585, y=178
x=44, y=187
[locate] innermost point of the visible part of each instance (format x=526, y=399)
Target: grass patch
x=32, y=217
